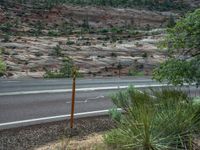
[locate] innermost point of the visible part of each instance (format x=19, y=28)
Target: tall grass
x=164, y=120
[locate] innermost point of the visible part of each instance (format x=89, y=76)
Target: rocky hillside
x=99, y=40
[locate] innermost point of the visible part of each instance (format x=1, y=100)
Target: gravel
x=30, y=137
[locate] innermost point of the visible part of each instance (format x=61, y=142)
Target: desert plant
x=166, y=119
x=53, y=33
x=65, y=70
x=57, y=51
x=69, y=42
x=6, y=27
x=134, y=72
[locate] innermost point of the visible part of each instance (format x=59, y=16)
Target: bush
x=70, y=42
x=57, y=51
x=65, y=71
x=53, y=33
x=166, y=119
x=6, y=27
x=133, y=72
x=2, y=67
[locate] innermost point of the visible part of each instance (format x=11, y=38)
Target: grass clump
x=164, y=120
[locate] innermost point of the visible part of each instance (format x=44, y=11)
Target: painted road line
x=79, y=90
x=99, y=112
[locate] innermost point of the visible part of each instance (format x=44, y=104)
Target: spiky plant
x=164, y=120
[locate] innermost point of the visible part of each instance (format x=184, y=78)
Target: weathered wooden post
x=73, y=97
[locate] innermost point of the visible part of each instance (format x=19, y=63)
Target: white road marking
x=79, y=90
x=7, y=124
x=101, y=96
x=10, y=81
x=77, y=102
x=86, y=100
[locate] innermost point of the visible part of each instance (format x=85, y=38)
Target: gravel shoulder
x=33, y=137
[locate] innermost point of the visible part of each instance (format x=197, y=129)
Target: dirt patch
x=92, y=141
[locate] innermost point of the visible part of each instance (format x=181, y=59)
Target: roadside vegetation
x=182, y=43
x=2, y=66
x=65, y=71
x=165, y=119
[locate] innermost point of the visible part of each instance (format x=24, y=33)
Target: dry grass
x=90, y=142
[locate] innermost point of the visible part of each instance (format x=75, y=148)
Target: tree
x=183, y=45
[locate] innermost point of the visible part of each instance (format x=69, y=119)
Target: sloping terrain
x=99, y=40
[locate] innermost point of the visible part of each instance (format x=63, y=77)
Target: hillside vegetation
x=100, y=37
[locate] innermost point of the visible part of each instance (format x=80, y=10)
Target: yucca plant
x=164, y=120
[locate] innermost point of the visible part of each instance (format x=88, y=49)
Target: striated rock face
x=97, y=16
x=96, y=53
x=33, y=57
x=106, y=17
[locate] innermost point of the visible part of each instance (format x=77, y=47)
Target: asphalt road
x=25, y=102
x=37, y=84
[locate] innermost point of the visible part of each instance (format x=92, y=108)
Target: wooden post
x=73, y=98
x=119, y=66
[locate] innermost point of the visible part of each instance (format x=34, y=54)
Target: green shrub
x=57, y=51
x=103, y=31
x=116, y=30
x=2, y=66
x=64, y=72
x=182, y=43
x=164, y=120
x=132, y=72
x=70, y=42
x=6, y=27
x=53, y=33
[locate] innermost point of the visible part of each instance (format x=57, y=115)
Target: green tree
x=183, y=45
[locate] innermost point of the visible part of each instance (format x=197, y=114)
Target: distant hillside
x=161, y=5
x=36, y=36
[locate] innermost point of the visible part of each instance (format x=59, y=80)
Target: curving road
x=27, y=102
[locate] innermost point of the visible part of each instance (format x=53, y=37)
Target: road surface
x=27, y=102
